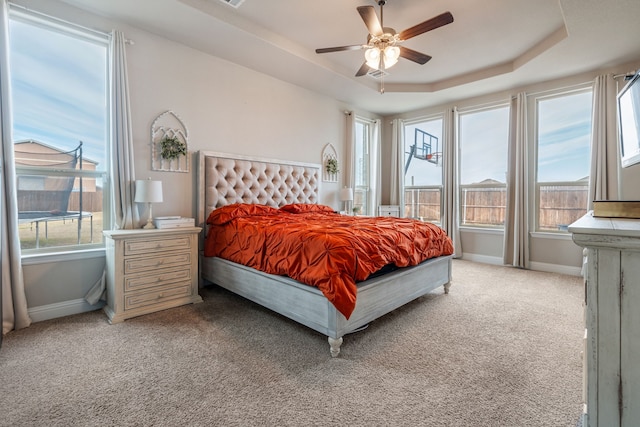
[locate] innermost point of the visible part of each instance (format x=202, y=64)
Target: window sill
x=44, y=258
x=551, y=235
x=482, y=230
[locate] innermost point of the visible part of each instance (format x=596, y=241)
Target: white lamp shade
x=148, y=191
x=346, y=194
x=372, y=56
x=391, y=55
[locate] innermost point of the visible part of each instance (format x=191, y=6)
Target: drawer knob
x=161, y=295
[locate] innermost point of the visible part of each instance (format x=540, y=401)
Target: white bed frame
x=225, y=178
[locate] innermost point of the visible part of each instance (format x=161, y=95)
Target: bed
x=226, y=179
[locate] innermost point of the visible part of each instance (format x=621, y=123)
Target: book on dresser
x=173, y=222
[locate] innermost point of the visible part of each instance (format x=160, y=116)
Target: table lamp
x=346, y=195
x=148, y=191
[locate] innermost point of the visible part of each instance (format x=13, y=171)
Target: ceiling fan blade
x=363, y=70
x=339, y=48
x=368, y=14
x=428, y=25
x=413, y=55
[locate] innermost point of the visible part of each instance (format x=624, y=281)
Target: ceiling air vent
x=377, y=74
x=234, y=3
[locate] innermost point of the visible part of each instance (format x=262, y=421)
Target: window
x=364, y=166
x=484, y=139
x=563, y=133
x=423, y=169
x=60, y=116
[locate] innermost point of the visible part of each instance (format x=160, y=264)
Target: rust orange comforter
x=315, y=246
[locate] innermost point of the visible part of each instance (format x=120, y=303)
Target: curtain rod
x=625, y=75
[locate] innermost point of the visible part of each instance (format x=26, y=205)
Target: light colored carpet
x=502, y=349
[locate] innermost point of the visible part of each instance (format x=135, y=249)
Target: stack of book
x=173, y=222
x=616, y=208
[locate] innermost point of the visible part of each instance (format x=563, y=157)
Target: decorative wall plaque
x=169, y=143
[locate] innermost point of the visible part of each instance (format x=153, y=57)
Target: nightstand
x=150, y=270
x=389, y=210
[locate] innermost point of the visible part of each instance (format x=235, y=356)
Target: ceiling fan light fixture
x=372, y=56
x=391, y=55
x=381, y=49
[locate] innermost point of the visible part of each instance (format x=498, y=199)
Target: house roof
x=27, y=148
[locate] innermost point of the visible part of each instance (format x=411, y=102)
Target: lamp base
x=149, y=225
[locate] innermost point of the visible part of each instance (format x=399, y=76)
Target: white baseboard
x=537, y=266
x=484, y=259
x=555, y=268
x=61, y=309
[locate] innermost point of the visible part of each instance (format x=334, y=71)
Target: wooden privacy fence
x=483, y=206
x=36, y=200
x=559, y=205
x=421, y=202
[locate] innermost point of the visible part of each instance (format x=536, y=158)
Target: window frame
x=364, y=190
x=429, y=187
x=371, y=191
x=49, y=23
x=462, y=188
x=533, y=118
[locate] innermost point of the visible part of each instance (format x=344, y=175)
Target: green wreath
x=171, y=148
x=332, y=166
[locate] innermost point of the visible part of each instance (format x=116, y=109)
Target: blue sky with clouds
x=564, y=140
x=59, y=90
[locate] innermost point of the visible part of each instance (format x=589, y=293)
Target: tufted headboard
x=228, y=178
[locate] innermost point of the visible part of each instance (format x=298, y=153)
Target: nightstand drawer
x=141, y=299
x=143, y=247
x=389, y=210
x=135, y=265
x=159, y=278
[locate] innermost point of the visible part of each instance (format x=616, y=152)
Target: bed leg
x=446, y=287
x=335, y=346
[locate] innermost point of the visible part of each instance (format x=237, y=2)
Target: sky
x=58, y=90
x=564, y=126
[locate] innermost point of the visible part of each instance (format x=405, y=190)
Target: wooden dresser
x=612, y=320
x=150, y=270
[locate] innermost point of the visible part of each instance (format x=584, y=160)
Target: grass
x=61, y=232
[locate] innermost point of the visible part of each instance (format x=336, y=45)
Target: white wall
x=226, y=108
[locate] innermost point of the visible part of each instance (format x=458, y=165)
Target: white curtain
x=349, y=147
x=396, y=195
x=122, y=166
x=516, y=227
x=376, y=171
x=604, y=96
x=123, y=212
x=450, y=220
x=13, y=302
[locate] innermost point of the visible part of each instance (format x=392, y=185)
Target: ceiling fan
x=383, y=43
